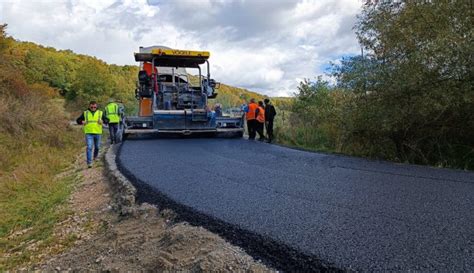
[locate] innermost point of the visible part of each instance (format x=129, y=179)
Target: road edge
x=270, y=252
x=124, y=193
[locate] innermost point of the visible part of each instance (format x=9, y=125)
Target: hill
x=230, y=96
x=75, y=77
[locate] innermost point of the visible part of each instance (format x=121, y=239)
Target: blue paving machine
x=173, y=101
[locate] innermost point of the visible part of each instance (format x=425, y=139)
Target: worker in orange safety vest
x=260, y=113
x=251, y=115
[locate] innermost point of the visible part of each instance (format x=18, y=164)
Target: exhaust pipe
x=186, y=132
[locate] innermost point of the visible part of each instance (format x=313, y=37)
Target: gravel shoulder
x=150, y=238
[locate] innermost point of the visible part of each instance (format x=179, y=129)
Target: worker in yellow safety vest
x=112, y=112
x=92, y=119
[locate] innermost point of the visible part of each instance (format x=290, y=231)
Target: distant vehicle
x=173, y=101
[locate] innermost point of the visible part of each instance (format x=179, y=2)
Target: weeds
x=35, y=146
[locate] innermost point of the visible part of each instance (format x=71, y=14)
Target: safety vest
x=92, y=125
x=112, y=112
x=251, y=113
x=261, y=114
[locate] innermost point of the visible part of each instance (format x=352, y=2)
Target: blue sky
x=263, y=45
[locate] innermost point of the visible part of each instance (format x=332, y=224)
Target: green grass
x=304, y=137
x=31, y=192
x=37, y=150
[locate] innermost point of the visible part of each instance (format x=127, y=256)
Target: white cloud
x=266, y=46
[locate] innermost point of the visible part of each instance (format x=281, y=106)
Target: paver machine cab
x=173, y=101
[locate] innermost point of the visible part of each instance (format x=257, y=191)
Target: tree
x=93, y=82
x=4, y=43
x=317, y=115
x=415, y=84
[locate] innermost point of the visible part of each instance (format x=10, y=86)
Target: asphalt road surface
x=349, y=212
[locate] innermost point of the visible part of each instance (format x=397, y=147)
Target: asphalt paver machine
x=173, y=101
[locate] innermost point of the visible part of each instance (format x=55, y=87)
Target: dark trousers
x=269, y=128
x=260, y=131
x=252, y=128
x=113, y=128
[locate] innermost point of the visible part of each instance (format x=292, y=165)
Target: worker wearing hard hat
x=260, y=117
x=112, y=112
x=92, y=119
x=251, y=117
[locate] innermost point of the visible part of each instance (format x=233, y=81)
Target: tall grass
x=36, y=144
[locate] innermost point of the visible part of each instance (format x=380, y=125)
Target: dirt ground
x=151, y=240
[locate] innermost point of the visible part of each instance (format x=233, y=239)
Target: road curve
x=350, y=213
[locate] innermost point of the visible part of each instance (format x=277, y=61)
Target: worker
x=218, y=110
x=112, y=112
x=270, y=114
x=92, y=119
x=260, y=117
x=244, y=107
x=251, y=115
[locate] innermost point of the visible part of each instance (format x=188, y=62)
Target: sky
x=267, y=46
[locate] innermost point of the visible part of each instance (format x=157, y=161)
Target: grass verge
x=36, y=180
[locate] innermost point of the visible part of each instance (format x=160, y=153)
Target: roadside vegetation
x=409, y=98
x=36, y=144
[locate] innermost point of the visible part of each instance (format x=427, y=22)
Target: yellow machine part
x=145, y=109
x=178, y=52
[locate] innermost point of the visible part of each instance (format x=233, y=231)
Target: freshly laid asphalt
x=351, y=213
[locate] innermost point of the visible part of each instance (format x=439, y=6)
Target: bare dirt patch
x=149, y=240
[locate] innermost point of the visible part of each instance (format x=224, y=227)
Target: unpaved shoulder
x=149, y=239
